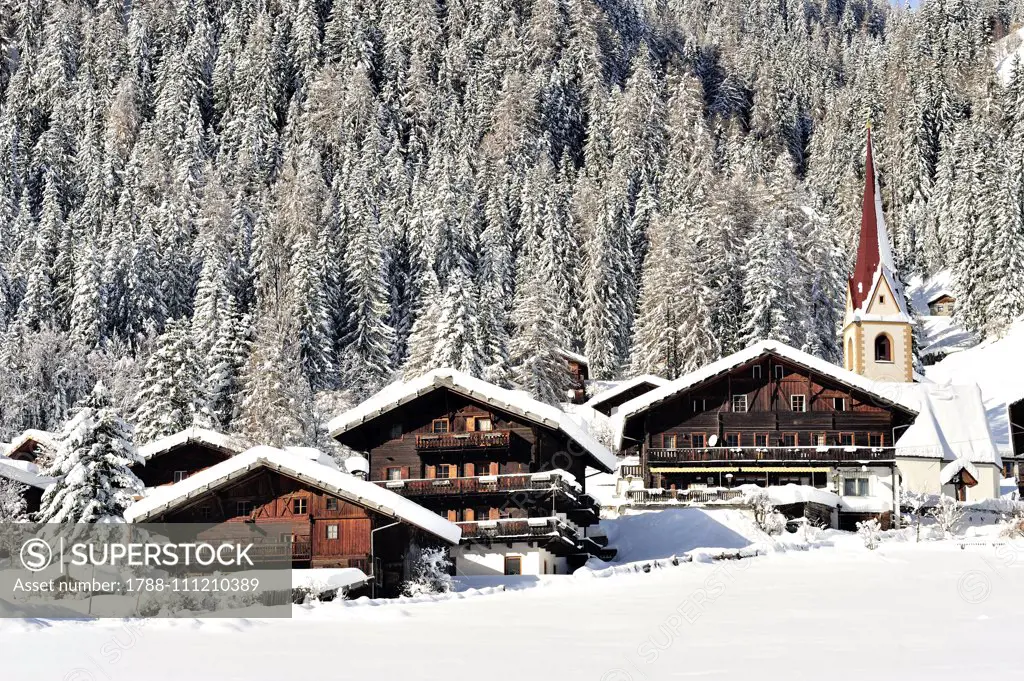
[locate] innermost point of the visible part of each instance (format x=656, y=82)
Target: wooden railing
x=299, y=549
x=483, y=439
x=683, y=496
x=753, y=454
x=508, y=529
x=480, y=484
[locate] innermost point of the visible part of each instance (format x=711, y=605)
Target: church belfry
x=877, y=329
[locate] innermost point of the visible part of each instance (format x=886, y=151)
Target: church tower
x=877, y=329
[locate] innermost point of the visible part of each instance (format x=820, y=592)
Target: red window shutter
x=470, y=470
x=405, y=472
x=470, y=515
x=494, y=514
x=431, y=472
x=453, y=516
x=494, y=468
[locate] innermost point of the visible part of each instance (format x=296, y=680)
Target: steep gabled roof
x=884, y=393
x=43, y=438
x=625, y=386
x=303, y=469
x=512, y=402
x=951, y=424
x=209, y=438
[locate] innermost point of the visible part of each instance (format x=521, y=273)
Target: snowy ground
x=936, y=611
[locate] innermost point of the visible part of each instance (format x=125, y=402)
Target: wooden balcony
x=684, y=496
x=755, y=455
x=484, y=439
x=299, y=549
x=481, y=484
x=518, y=529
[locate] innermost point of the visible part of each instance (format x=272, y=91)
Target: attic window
x=757, y=371
x=881, y=298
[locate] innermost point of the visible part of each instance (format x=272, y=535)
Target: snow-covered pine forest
x=249, y=213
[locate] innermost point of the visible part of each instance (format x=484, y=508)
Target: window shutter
x=405, y=472
x=470, y=515
x=431, y=472
x=469, y=470
x=493, y=514
x=470, y=424
x=453, y=516
x=494, y=468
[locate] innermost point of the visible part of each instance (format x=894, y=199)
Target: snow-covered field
x=935, y=610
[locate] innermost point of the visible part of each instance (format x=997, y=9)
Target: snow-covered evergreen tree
x=171, y=398
x=94, y=481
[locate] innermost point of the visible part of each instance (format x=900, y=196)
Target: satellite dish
x=713, y=440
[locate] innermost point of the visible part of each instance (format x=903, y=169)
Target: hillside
x=246, y=213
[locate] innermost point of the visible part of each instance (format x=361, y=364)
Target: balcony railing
x=481, y=484
x=299, y=549
x=824, y=454
x=684, y=496
x=484, y=439
x=510, y=529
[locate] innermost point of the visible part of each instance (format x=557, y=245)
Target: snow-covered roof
x=357, y=465
x=950, y=470
x=884, y=392
x=624, y=386
x=23, y=472
x=193, y=435
x=513, y=402
x=573, y=356
x=996, y=367
x=330, y=480
x=43, y=438
x=939, y=334
x=951, y=424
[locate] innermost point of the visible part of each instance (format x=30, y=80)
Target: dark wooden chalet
x=608, y=401
x=1012, y=467
x=318, y=516
x=766, y=415
x=579, y=374
x=483, y=457
x=176, y=457
x=33, y=446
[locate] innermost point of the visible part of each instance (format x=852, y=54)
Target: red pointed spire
x=868, y=252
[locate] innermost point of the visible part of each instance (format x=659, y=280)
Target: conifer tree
x=171, y=397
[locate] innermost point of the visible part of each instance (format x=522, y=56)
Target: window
x=798, y=402
x=205, y=512
x=789, y=439
x=756, y=371
x=332, y=531
x=668, y=441
x=394, y=473
x=439, y=426
x=697, y=440
x=698, y=404
x=332, y=504
x=732, y=439
x=180, y=475
x=855, y=487
x=839, y=403
x=395, y=431
x=760, y=439
x=874, y=439
x=482, y=513
x=513, y=565
x=447, y=470
x=739, y=403
x=243, y=508
x=881, y=298
x=300, y=506
x=883, y=348
x=780, y=371
x=846, y=439
x=484, y=425
x=820, y=440
x=288, y=538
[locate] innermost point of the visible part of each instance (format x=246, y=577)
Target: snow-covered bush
x=13, y=507
x=915, y=503
x=868, y=531
x=767, y=518
x=429, y=573
x=947, y=513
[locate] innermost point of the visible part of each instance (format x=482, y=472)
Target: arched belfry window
x=883, y=348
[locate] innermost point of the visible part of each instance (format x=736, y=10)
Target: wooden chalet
x=607, y=401
x=33, y=446
x=942, y=305
x=579, y=374
x=174, y=458
x=768, y=415
x=331, y=518
x=509, y=470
